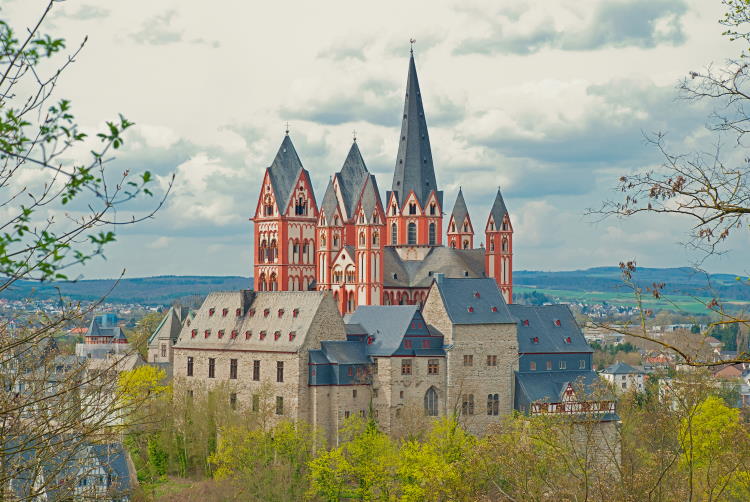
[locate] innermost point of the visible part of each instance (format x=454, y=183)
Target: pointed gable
x=414, y=168
x=284, y=173
x=498, y=211
x=460, y=212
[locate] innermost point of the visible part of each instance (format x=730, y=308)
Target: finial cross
x=412, y=41
x=354, y=135
x=287, y=128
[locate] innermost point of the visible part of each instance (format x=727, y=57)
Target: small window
x=234, y=334
x=281, y=312
x=470, y=309
x=406, y=366
x=558, y=323
x=279, y=371
x=233, y=400
x=292, y=335
x=211, y=367
x=562, y=365
x=251, y=313
x=401, y=394
x=238, y=312
x=492, y=360
x=256, y=370
x=224, y=312
x=493, y=309
x=248, y=334
x=266, y=312
x=221, y=333
x=582, y=364
x=233, y=369
x=279, y=405
x=211, y=311
x=532, y=366
x=535, y=340
x=256, y=402
x=425, y=344
x=549, y=365
x=276, y=335
x=525, y=322
x=433, y=366
x=295, y=312
x=350, y=371
x=189, y=366
x=207, y=333
x=194, y=333
x=467, y=404
x=567, y=340
x=468, y=360
x=262, y=335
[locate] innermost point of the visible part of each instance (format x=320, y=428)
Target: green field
x=677, y=303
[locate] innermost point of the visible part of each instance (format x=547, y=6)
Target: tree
x=57, y=213
x=146, y=326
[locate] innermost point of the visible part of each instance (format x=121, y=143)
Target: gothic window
x=261, y=286
x=492, y=225
x=273, y=251
x=300, y=209
x=375, y=219
x=335, y=241
x=375, y=239
x=505, y=226
x=505, y=245
x=492, y=244
x=268, y=206
x=466, y=227
x=493, y=404
x=273, y=285
x=432, y=234
x=431, y=402
x=262, y=252
x=453, y=227
x=432, y=209
x=412, y=208
x=453, y=244
x=362, y=239
x=394, y=211
x=350, y=302
x=323, y=241
x=394, y=234
x=467, y=404
x=412, y=233
x=466, y=244
x=361, y=218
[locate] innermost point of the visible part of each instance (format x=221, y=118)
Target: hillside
x=594, y=284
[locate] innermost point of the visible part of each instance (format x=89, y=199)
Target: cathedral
x=365, y=249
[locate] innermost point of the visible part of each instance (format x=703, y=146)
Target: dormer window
x=262, y=335
x=558, y=323
x=276, y=335
x=281, y=312
x=266, y=312
x=193, y=333
x=238, y=312
x=248, y=334
x=425, y=344
x=407, y=344
x=535, y=340
x=211, y=311
x=251, y=312
x=221, y=333
x=525, y=322
x=234, y=334
x=207, y=333
x=567, y=340
x=476, y=294
x=432, y=209
x=295, y=312
x=493, y=309
x=224, y=312
x=292, y=335
x=470, y=309
x=370, y=340
x=412, y=208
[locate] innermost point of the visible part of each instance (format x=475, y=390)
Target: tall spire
x=414, y=168
x=498, y=211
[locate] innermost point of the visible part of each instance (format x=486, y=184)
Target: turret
x=460, y=229
x=499, y=250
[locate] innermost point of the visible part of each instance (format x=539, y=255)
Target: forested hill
x=165, y=289
x=678, y=281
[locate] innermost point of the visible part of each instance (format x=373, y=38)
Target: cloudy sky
x=549, y=100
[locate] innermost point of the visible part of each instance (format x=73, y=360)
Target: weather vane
x=412, y=41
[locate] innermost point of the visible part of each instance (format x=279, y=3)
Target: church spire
x=414, y=169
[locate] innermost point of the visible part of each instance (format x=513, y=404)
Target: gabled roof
x=460, y=211
x=541, y=322
x=455, y=263
x=370, y=199
x=473, y=301
x=414, y=169
x=345, y=352
x=547, y=387
x=621, y=368
x=386, y=324
x=498, y=210
x=284, y=172
x=170, y=325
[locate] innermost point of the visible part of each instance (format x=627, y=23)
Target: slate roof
x=170, y=326
x=105, y=325
x=460, y=211
x=471, y=301
x=414, y=168
x=252, y=306
x=330, y=203
x=351, y=178
x=542, y=324
x=345, y=352
x=621, y=368
x=284, y=172
x=498, y=210
x=455, y=263
x=548, y=387
x=386, y=324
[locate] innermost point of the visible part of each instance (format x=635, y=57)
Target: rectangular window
x=433, y=366
x=532, y=366
x=375, y=365
x=562, y=365
x=211, y=367
x=491, y=360
x=279, y=405
x=233, y=400
x=279, y=371
x=582, y=364
x=467, y=404
x=346, y=414
x=406, y=366
x=256, y=402
x=354, y=393
x=493, y=404
x=256, y=370
x=163, y=350
x=468, y=360
x=549, y=365
x=189, y=366
x=233, y=369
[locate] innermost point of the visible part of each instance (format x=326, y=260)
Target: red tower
x=285, y=219
x=499, y=251
x=414, y=207
x=460, y=229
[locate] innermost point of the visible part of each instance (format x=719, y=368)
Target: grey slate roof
x=351, y=179
x=284, y=172
x=621, y=368
x=345, y=352
x=170, y=326
x=481, y=295
x=542, y=325
x=455, y=263
x=386, y=324
x=330, y=203
x=547, y=387
x=498, y=210
x=414, y=168
x=105, y=325
x=460, y=211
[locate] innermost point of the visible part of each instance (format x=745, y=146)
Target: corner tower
x=414, y=203
x=499, y=251
x=460, y=229
x=284, y=221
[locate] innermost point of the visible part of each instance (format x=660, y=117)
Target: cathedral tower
x=460, y=229
x=284, y=224
x=499, y=251
x=414, y=204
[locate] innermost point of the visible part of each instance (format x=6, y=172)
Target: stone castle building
x=359, y=308
x=364, y=249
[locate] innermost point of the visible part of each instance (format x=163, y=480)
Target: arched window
x=350, y=302
x=505, y=245
x=432, y=234
x=431, y=402
x=412, y=233
x=453, y=244
x=375, y=239
x=394, y=234
x=412, y=208
x=268, y=206
x=262, y=252
x=274, y=254
x=362, y=239
x=323, y=241
x=466, y=244
x=505, y=226
x=432, y=209
x=273, y=285
x=261, y=286
x=394, y=211
x=335, y=241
